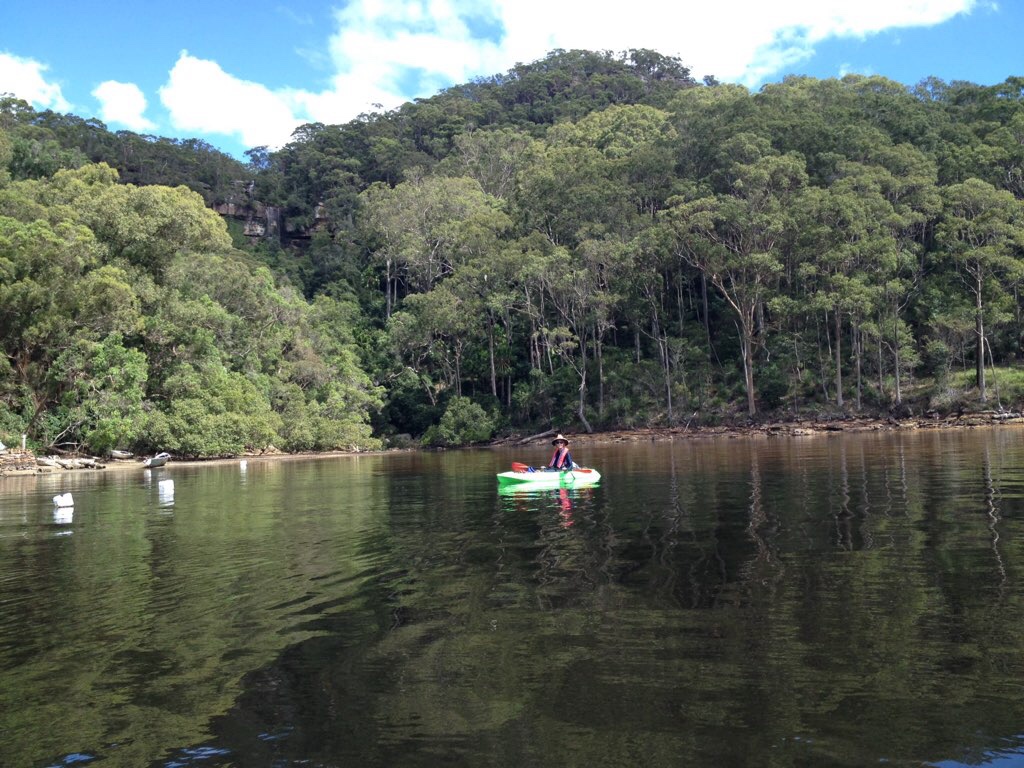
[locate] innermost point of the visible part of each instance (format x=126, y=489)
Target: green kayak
x=550, y=478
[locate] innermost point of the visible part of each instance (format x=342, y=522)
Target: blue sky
x=242, y=75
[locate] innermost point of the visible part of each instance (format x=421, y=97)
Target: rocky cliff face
x=267, y=222
x=260, y=221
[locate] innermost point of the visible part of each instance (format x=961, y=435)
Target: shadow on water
x=838, y=601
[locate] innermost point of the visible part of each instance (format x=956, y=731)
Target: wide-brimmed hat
x=560, y=438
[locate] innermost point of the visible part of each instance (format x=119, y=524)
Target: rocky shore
x=795, y=428
x=27, y=463
x=17, y=463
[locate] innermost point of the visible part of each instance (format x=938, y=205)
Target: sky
x=241, y=75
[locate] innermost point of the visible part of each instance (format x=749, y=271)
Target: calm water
x=843, y=601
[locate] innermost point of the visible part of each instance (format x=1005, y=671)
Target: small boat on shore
x=156, y=461
x=121, y=455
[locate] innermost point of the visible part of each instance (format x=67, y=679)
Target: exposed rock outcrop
x=17, y=462
x=259, y=221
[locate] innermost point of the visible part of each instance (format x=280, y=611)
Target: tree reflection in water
x=837, y=601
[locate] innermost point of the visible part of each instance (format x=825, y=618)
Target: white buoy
x=242, y=465
x=165, y=490
x=64, y=515
x=63, y=500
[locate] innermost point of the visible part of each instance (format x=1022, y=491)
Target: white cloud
x=24, y=78
x=847, y=69
x=123, y=104
x=385, y=52
x=734, y=40
x=202, y=97
x=381, y=43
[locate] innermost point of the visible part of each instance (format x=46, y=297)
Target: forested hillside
x=588, y=241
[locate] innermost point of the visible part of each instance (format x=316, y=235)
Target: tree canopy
x=592, y=239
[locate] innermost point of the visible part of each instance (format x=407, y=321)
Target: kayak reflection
x=532, y=499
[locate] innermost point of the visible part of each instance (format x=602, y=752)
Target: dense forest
x=589, y=241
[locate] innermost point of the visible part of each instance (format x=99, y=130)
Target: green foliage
x=937, y=359
x=128, y=319
x=44, y=142
x=464, y=422
x=591, y=236
x=101, y=402
x=6, y=153
x=212, y=412
x=959, y=389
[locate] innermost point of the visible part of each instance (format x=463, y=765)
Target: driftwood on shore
x=62, y=462
x=538, y=436
x=27, y=463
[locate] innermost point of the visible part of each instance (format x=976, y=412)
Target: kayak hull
x=542, y=479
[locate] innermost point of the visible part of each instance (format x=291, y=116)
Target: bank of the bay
x=26, y=463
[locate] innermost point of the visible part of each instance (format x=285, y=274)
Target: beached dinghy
x=156, y=461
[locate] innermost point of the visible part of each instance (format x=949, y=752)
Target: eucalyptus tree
x=907, y=179
x=434, y=332
x=567, y=192
x=850, y=239
x=638, y=143
x=449, y=321
x=705, y=119
x=489, y=288
x=572, y=284
x=1008, y=163
x=427, y=226
x=982, y=233
x=6, y=152
x=341, y=400
x=646, y=301
x=733, y=235
x=492, y=157
x=597, y=183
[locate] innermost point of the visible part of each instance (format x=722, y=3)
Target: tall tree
x=982, y=232
x=733, y=237
x=426, y=227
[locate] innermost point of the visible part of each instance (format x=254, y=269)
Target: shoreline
x=135, y=465
x=798, y=428
x=769, y=429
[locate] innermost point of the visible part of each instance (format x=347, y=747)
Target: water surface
x=843, y=600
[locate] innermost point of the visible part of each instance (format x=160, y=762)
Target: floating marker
x=64, y=515
x=63, y=500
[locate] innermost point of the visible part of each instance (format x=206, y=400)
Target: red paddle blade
x=519, y=467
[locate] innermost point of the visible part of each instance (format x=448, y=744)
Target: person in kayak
x=561, y=459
